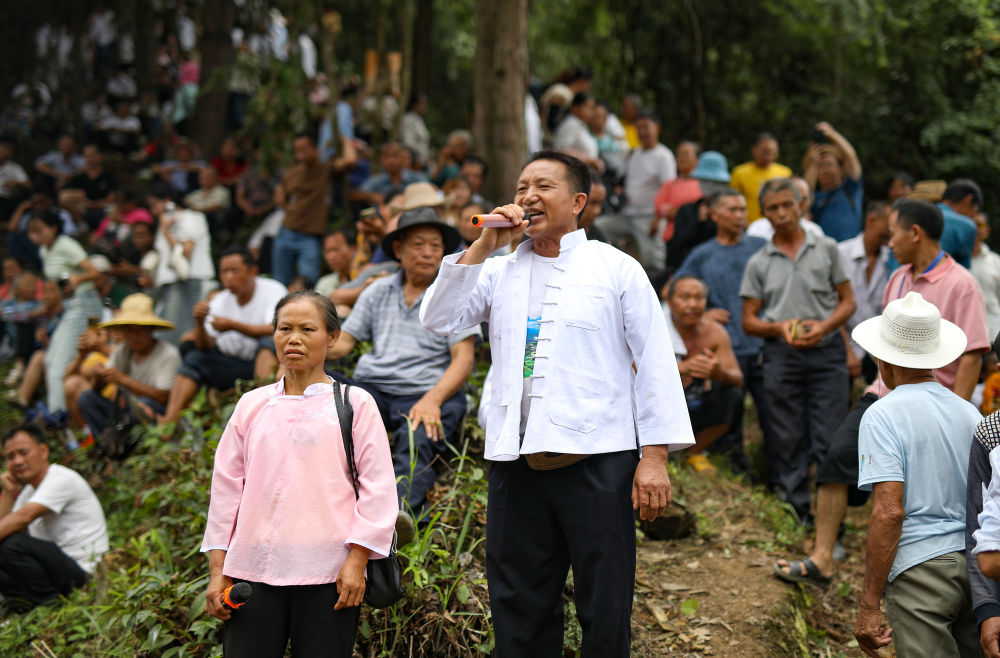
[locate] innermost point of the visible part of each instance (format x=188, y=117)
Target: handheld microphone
x=495, y=220
x=234, y=597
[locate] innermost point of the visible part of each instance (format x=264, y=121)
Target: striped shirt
x=406, y=358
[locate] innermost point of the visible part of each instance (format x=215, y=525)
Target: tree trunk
x=500, y=85
x=145, y=60
x=422, y=26
x=216, y=48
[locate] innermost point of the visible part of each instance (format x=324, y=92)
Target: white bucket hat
x=910, y=333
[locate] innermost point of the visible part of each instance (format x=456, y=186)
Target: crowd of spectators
x=764, y=273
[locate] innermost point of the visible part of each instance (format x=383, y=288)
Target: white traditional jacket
x=599, y=316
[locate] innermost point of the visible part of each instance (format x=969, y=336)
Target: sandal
x=700, y=463
x=795, y=573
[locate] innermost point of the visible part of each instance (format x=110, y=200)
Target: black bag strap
x=345, y=412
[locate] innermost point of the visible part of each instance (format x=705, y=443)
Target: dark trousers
x=538, y=524
x=304, y=614
x=97, y=410
x=215, y=369
x=806, y=395
x=752, y=366
x=840, y=463
x=34, y=571
x=415, y=471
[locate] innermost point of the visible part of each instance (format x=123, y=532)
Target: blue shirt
x=382, y=183
x=721, y=268
x=959, y=236
x=920, y=435
x=838, y=211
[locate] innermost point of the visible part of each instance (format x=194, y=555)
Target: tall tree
x=216, y=50
x=500, y=85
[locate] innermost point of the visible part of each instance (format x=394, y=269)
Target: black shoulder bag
x=384, y=586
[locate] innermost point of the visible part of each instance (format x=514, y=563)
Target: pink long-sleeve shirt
x=283, y=507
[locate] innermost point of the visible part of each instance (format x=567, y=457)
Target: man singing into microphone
x=585, y=402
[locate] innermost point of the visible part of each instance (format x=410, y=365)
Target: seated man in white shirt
x=233, y=334
x=66, y=533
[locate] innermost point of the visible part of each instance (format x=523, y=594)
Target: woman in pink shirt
x=283, y=514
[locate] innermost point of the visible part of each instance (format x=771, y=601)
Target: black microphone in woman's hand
x=235, y=596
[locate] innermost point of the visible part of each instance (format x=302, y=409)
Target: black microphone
x=235, y=596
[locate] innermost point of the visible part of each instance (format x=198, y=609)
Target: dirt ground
x=713, y=593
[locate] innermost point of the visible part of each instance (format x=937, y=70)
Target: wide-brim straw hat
x=421, y=217
x=910, y=333
x=137, y=311
x=421, y=195
x=928, y=190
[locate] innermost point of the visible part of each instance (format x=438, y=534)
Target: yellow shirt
x=631, y=136
x=747, y=179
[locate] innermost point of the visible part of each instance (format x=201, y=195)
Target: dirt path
x=713, y=593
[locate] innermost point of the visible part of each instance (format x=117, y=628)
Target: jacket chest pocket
x=585, y=307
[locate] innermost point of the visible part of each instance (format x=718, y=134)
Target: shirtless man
x=710, y=374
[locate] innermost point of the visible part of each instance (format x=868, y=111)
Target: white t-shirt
x=647, y=171
x=573, y=133
x=259, y=310
x=190, y=225
x=76, y=522
x=541, y=270
x=11, y=172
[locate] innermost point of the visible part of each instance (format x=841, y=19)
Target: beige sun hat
x=928, y=190
x=137, y=310
x=910, y=333
x=421, y=195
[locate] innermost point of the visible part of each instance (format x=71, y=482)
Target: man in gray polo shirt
x=796, y=295
x=413, y=374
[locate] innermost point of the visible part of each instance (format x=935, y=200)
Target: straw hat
x=910, y=333
x=421, y=195
x=137, y=310
x=928, y=190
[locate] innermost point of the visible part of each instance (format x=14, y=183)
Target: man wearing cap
x=415, y=376
x=566, y=413
x=915, y=229
x=913, y=448
x=143, y=367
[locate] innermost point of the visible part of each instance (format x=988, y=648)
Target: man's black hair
x=724, y=193
x=960, y=188
x=576, y=172
x=350, y=235
x=242, y=251
x=580, y=98
x=696, y=145
x=685, y=277
x=475, y=159
x=652, y=116
x=349, y=91
x=902, y=176
x=31, y=430
x=764, y=137
x=926, y=215
x=877, y=206
x=8, y=139
x=307, y=134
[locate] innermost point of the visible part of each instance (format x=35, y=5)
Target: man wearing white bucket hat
x=913, y=448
